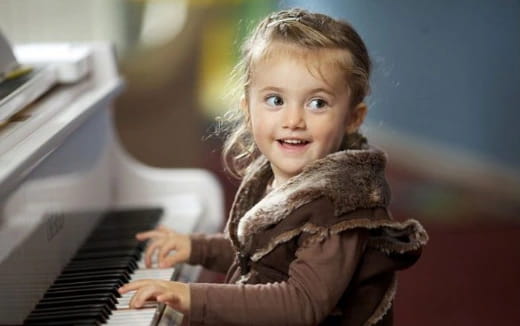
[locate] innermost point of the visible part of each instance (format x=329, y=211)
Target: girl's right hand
x=162, y=242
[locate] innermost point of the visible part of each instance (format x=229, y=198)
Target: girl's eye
x=274, y=100
x=317, y=104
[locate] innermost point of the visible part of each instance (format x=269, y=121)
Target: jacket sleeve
x=213, y=251
x=317, y=278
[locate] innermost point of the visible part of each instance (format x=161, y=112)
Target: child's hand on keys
x=174, y=294
x=162, y=242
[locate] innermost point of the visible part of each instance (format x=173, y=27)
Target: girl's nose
x=294, y=118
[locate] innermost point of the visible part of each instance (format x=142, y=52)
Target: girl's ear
x=355, y=118
x=243, y=104
x=244, y=107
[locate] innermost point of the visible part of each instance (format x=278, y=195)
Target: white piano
x=62, y=169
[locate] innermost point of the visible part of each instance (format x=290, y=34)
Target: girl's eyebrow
x=322, y=90
x=272, y=88
x=311, y=91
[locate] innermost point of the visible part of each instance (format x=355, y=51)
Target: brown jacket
x=321, y=249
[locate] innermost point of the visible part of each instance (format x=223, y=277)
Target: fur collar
x=351, y=179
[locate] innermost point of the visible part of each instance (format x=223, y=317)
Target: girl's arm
x=317, y=279
x=213, y=251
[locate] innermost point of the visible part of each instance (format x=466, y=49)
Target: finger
x=155, y=245
x=133, y=286
x=146, y=293
x=169, y=261
x=149, y=234
x=148, y=290
x=165, y=251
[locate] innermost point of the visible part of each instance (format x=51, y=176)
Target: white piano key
x=163, y=273
x=131, y=317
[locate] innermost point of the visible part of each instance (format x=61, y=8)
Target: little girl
x=309, y=238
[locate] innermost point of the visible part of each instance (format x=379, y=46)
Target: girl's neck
x=278, y=178
x=278, y=182
x=271, y=185
x=275, y=183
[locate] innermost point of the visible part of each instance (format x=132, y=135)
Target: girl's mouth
x=292, y=143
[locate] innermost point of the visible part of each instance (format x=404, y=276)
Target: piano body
x=62, y=169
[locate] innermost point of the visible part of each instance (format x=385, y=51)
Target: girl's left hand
x=174, y=294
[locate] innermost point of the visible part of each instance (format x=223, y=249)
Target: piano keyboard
x=85, y=293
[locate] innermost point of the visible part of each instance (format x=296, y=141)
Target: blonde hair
x=307, y=30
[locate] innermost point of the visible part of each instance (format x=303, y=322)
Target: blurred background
x=444, y=104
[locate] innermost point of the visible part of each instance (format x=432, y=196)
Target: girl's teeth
x=293, y=142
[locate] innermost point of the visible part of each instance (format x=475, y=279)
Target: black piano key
x=81, y=312
x=91, y=273
x=133, y=252
x=115, y=281
x=115, y=266
x=106, y=300
x=100, y=262
x=82, y=287
x=84, y=322
x=123, y=274
x=105, y=308
x=97, y=290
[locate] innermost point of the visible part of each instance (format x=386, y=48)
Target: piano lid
x=48, y=122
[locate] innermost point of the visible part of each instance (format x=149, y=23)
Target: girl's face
x=299, y=108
